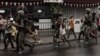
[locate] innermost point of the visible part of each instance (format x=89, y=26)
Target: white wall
x=44, y=20
x=45, y=24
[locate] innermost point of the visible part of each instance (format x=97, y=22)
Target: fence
x=46, y=28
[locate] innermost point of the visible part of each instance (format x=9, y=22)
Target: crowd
x=17, y=30
x=88, y=28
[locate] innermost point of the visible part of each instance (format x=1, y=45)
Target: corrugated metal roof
x=67, y=1
x=82, y=1
x=22, y=0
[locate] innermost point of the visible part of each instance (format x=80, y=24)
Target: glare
x=2, y=11
x=39, y=11
x=11, y=19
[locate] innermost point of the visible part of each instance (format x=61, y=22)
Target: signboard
x=53, y=1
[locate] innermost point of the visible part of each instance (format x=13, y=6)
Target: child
x=63, y=33
x=81, y=29
x=34, y=35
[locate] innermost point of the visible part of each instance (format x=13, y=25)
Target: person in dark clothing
x=21, y=42
x=20, y=24
x=6, y=43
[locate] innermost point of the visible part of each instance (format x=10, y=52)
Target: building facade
x=38, y=9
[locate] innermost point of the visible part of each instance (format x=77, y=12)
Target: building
x=69, y=7
x=38, y=9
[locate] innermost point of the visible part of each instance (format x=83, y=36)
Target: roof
x=21, y=0
x=66, y=1
x=82, y=1
x=75, y=3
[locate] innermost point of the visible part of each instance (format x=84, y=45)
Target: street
x=47, y=49
x=45, y=27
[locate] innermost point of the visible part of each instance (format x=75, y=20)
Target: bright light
x=11, y=19
x=2, y=11
x=39, y=11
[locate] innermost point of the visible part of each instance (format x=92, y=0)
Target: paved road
x=76, y=49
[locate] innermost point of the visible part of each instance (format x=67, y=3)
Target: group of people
x=18, y=31
x=60, y=30
x=88, y=28
x=89, y=25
